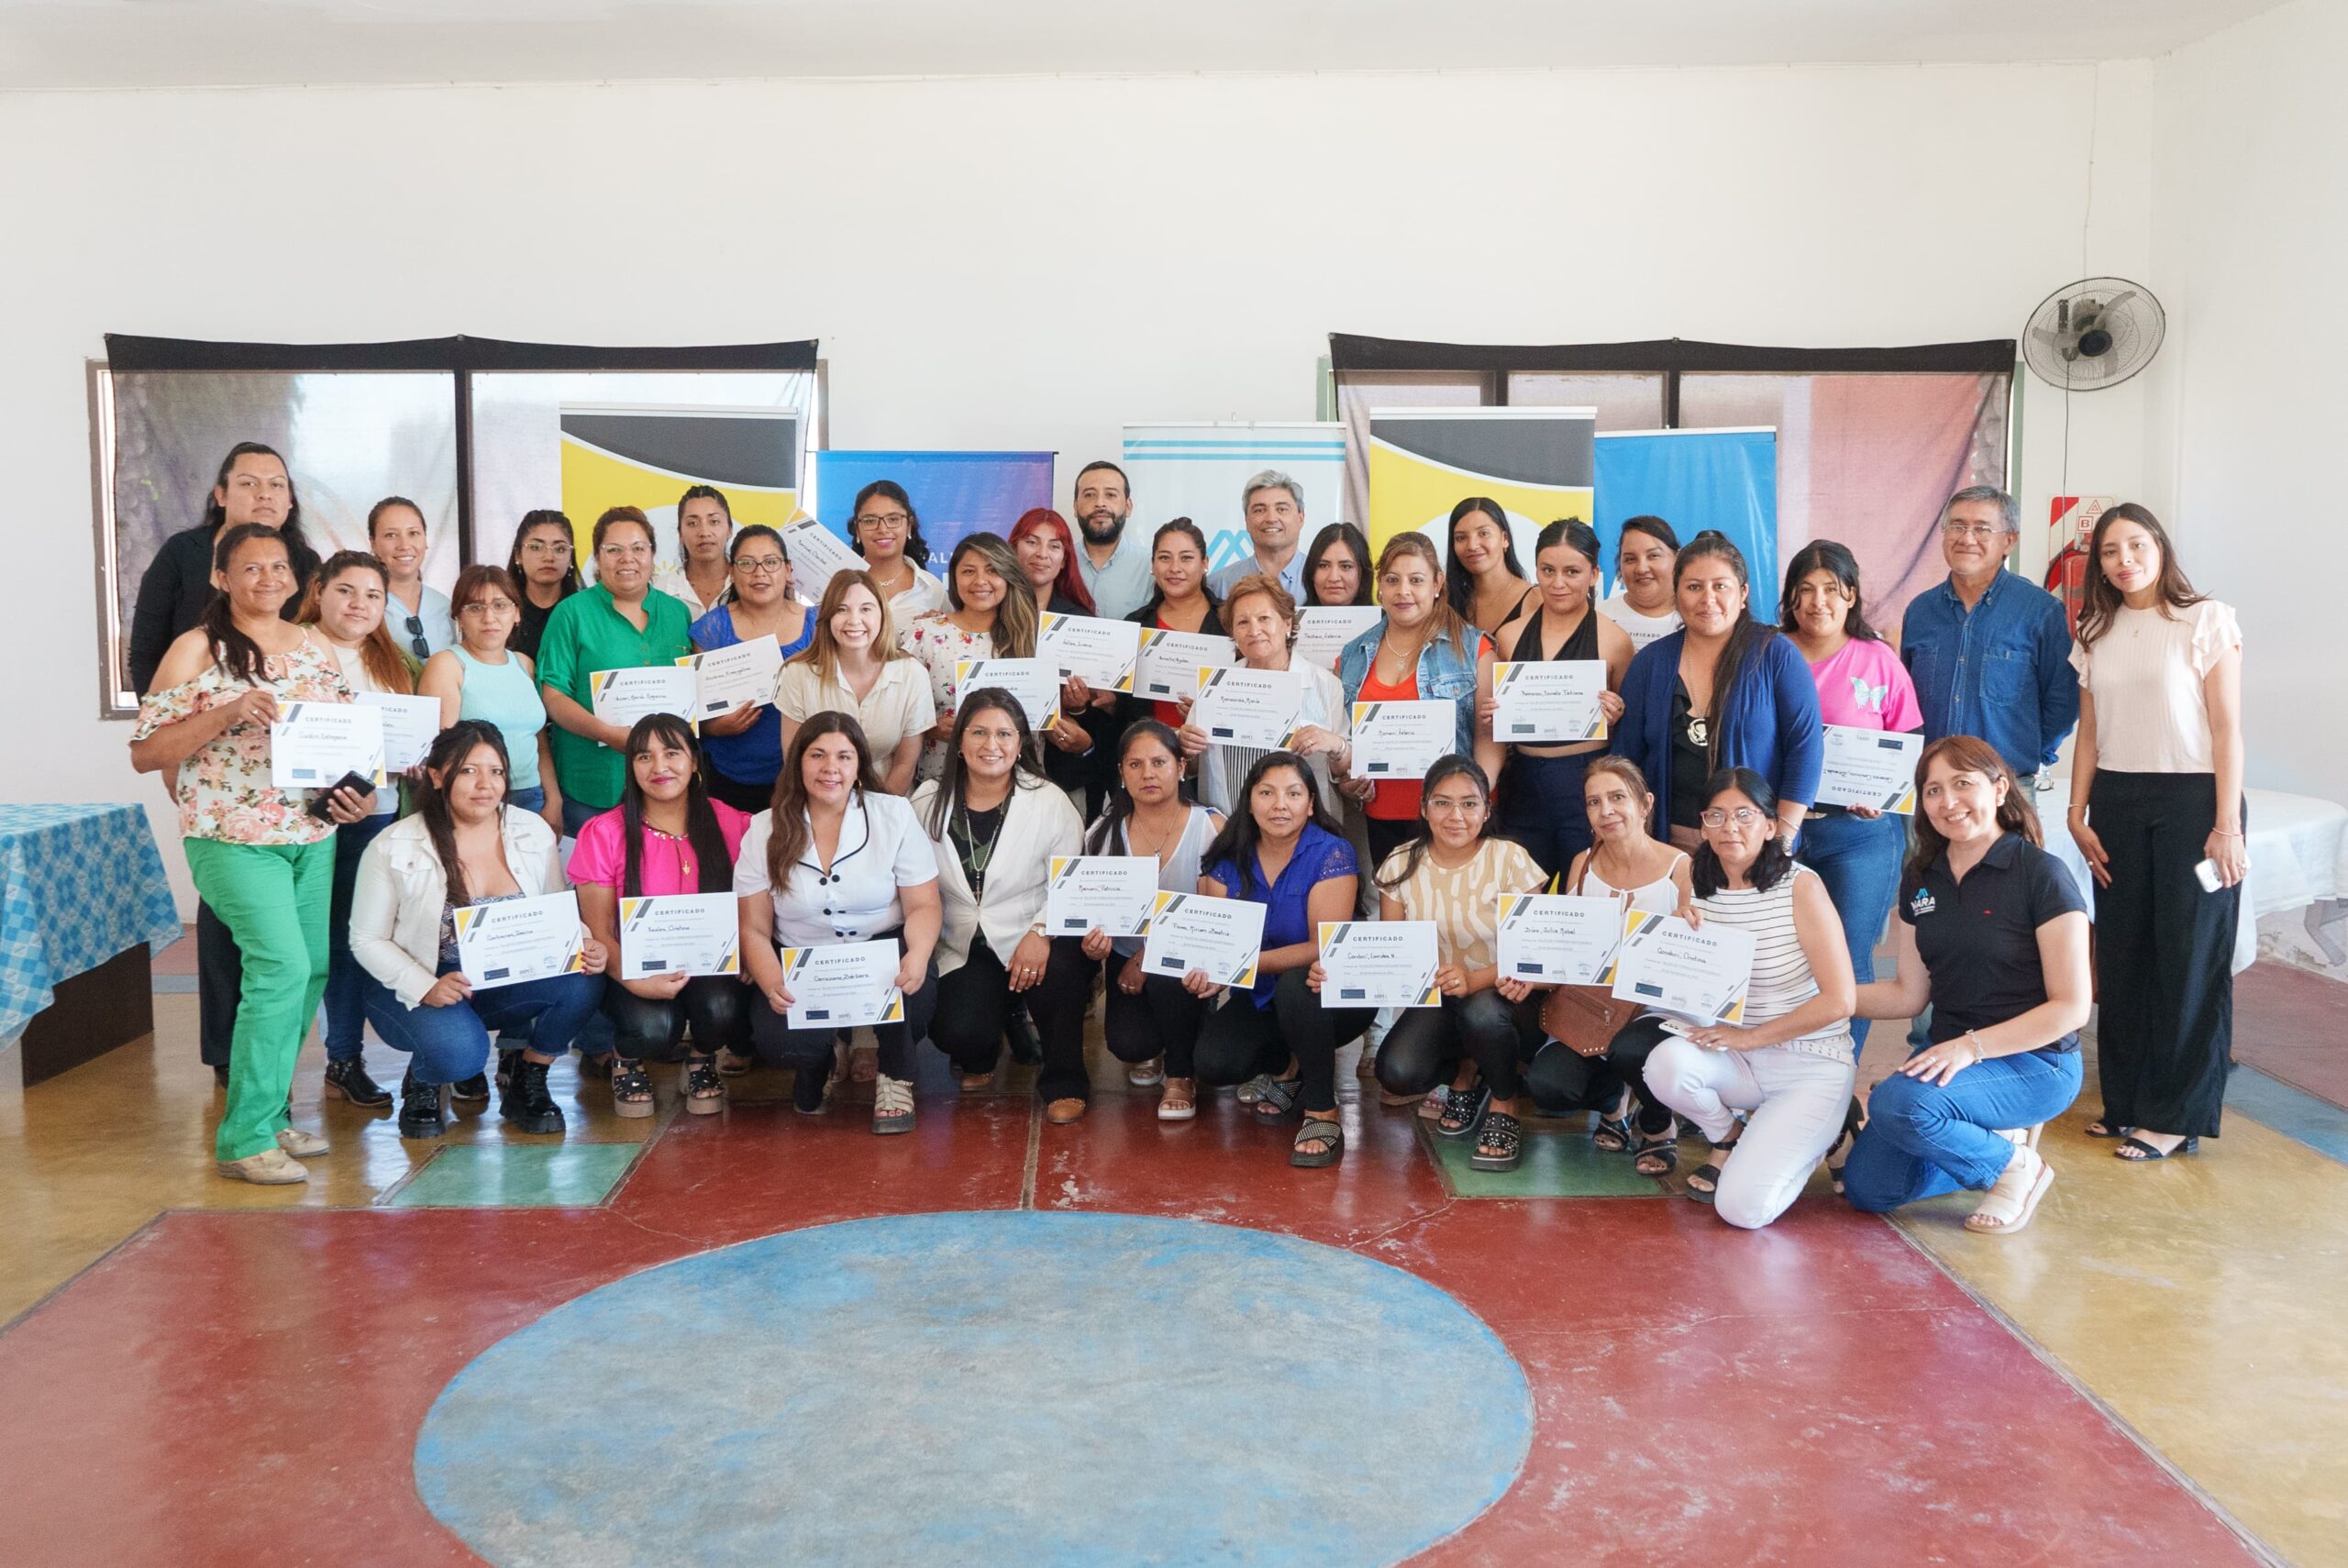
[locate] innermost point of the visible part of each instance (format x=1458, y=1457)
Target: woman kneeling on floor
x=1282, y=851
x=1993, y=933
x=1454, y=874
x=464, y=847
x=1790, y=1064
x=667, y=837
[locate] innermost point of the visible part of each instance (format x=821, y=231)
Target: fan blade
x=2061, y=342
x=2121, y=298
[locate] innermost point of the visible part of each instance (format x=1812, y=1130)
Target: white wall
x=1032, y=263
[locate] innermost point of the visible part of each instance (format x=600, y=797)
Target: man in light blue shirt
x=1114, y=563
x=1273, y=504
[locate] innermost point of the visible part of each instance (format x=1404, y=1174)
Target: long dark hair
x=378, y=652
x=2104, y=600
x=1968, y=754
x=1745, y=637
x=740, y=537
x=1017, y=618
x=298, y=549
x=954, y=784
x=1825, y=555
x=1459, y=584
x=1422, y=839
x=1334, y=535
x=713, y=862
x=789, y=812
x=1705, y=873
x=235, y=653
x=1157, y=599
x=448, y=750
x=1237, y=841
x=916, y=547
x=543, y=517
x=1578, y=536
x=1103, y=836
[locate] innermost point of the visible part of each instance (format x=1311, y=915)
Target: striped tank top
x=1781, y=980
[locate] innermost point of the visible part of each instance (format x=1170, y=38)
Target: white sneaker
x=302, y=1145
x=270, y=1167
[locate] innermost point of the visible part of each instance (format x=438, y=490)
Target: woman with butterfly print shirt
x=1862, y=685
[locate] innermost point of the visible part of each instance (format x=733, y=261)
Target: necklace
x=1135, y=847
x=1386, y=647
x=975, y=859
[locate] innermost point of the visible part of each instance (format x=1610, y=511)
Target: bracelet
x=2221, y=832
x=2078, y=805
x=1974, y=1040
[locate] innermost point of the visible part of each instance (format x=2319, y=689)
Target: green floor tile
x=566, y=1176
x=1559, y=1162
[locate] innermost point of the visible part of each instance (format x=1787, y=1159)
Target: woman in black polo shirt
x=1994, y=935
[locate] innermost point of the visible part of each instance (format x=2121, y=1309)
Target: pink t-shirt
x=666, y=864
x=1865, y=687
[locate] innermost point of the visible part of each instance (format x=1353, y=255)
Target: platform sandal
x=1657, y=1156
x=1320, y=1142
x=1466, y=1111
x=1708, y=1173
x=705, y=1090
x=1179, y=1101
x=1503, y=1134
x=631, y=1090
x=1278, y=1097
x=1252, y=1090
x=1613, y=1134
x=2013, y=1197
x=1435, y=1102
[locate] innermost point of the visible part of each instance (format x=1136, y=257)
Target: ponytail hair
x=236, y=654
x=1422, y=838
x=1103, y=836
x=1705, y=872
x=1448, y=622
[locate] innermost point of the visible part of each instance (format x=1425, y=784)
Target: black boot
x=419, y=1109
x=1019, y=1033
x=506, y=1057
x=473, y=1090
x=526, y=1102
x=348, y=1077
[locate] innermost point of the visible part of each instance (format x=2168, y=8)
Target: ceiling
x=109, y=44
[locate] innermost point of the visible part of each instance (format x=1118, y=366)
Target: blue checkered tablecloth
x=78, y=884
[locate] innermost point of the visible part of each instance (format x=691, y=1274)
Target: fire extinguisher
x=2066, y=580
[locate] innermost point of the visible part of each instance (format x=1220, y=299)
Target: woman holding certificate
x=1282, y=851
x=1075, y=749
x=1861, y=685
x=835, y=864
x=465, y=848
x=995, y=823
x=256, y=851
x=1994, y=937
x=746, y=746
x=1261, y=618
x=991, y=615
x=886, y=531
x=666, y=838
x=853, y=665
x=1788, y=1064
x=1485, y=585
x=1560, y=623
x=1180, y=599
x=485, y=676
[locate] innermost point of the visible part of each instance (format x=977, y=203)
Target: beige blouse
x=1464, y=902
x=2145, y=674
x=897, y=706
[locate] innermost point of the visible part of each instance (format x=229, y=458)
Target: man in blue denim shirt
x=1991, y=652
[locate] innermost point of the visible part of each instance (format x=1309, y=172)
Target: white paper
x=680, y=934
x=1870, y=767
x=1378, y=963
x=1192, y=931
x=1696, y=973
x=313, y=745
x=1033, y=683
x=623, y=696
x=842, y=986
x=1102, y=652
x=410, y=726
x=1402, y=740
x=1552, y=702
x=1323, y=630
x=724, y=678
x=1558, y=939
x=515, y=939
x=818, y=555
x=1110, y=894
x=1239, y=706
x=1170, y=661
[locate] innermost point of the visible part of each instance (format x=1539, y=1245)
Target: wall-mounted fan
x=2093, y=334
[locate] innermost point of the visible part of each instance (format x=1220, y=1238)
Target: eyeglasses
x=1464, y=807
x=481, y=607
x=1983, y=531
x=1744, y=816
x=759, y=566
x=545, y=548
x=890, y=520
x=416, y=637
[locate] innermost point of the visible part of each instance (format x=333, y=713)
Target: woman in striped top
x=1789, y=1065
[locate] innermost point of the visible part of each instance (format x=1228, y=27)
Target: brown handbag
x=1585, y=1017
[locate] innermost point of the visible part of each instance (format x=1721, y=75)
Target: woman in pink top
x=665, y=837
x=1862, y=685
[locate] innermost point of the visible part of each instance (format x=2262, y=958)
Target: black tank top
x=1583, y=644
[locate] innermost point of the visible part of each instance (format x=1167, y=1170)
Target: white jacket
x=396, y=908
x=1037, y=823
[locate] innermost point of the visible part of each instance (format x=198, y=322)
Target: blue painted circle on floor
x=996, y=1388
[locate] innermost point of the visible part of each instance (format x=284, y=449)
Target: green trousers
x=273, y=899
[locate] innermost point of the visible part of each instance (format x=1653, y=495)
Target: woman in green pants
x=261, y=858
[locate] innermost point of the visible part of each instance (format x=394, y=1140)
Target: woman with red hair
x=1077, y=747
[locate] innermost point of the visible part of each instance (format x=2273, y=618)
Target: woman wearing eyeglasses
x=417, y=612
x=744, y=746
x=886, y=531
x=705, y=558
x=543, y=567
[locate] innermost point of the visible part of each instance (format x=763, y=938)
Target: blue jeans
x=1858, y=860
x=345, y=1027
x=1922, y=1140
x=576, y=813
x=449, y=1044
x=532, y=800
x=1541, y=807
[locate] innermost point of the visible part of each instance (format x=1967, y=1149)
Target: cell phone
x=2207, y=875
x=322, y=803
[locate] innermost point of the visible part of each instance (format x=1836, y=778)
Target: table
x=83, y=900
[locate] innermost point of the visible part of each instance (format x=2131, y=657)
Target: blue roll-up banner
x=954, y=493
x=1695, y=480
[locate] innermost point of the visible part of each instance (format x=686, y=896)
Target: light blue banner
x=955, y=493
x=1695, y=480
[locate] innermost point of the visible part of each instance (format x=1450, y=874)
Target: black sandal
x=705, y=1090
x=1840, y=1155
x=631, y=1090
x=1319, y=1143
x=1464, y=1112
x=2135, y=1151
x=1710, y=1171
x=1613, y=1134
x=1657, y=1156
x=2103, y=1128
x=1502, y=1131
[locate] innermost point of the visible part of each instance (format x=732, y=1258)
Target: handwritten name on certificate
x=818, y=555
x=623, y=696
x=1192, y=931
x=1870, y=767
x=1169, y=667
x=1378, y=963
x=724, y=678
x=514, y=940
x=1323, y=630
x=1558, y=939
x=1552, y=702
x=410, y=726
x=1238, y=706
x=1696, y=973
x=313, y=745
x=843, y=985
x=1402, y=740
x=1102, y=653
x=680, y=934
x=1034, y=684
x=1114, y=894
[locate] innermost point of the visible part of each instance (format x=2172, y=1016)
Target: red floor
x=2293, y=1024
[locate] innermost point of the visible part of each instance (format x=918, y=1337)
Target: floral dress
x=940, y=645
x=223, y=790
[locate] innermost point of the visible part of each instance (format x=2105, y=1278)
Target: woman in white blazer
x=996, y=822
x=464, y=849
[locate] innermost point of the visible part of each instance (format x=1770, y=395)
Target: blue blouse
x=755, y=756
x=1319, y=856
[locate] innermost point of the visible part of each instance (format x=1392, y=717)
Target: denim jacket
x=2001, y=671
x=1444, y=676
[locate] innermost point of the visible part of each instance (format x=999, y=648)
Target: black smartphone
x=323, y=802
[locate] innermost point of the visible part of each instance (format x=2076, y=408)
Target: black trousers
x=1425, y=1047
x=219, y=977
x=751, y=798
x=1239, y=1040
x=1562, y=1080
x=2164, y=955
x=1387, y=834
x=974, y=1006
x=717, y=1006
x=1161, y=1020
x=776, y=1044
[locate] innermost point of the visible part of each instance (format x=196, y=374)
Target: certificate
x=1323, y=630
x=1696, y=973
x=1238, y=706
x=1103, y=652
x=1169, y=668
x=410, y=726
x=818, y=555
x=680, y=934
x=514, y=940
x=1034, y=684
x=313, y=745
x=1554, y=702
x=843, y=985
x=1402, y=740
x=724, y=678
x=1192, y=931
x=1378, y=963
x=1111, y=893
x=1558, y=939
x=623, y=696
x=1870, y=767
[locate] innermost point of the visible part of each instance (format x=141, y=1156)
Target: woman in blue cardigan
x=1723, y=691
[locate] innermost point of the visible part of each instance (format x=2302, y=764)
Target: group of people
x=873, y=799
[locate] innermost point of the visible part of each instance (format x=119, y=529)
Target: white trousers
x=1795, y=1100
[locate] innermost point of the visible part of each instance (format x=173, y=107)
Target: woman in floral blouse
x=261, y=857
x=993, y=616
